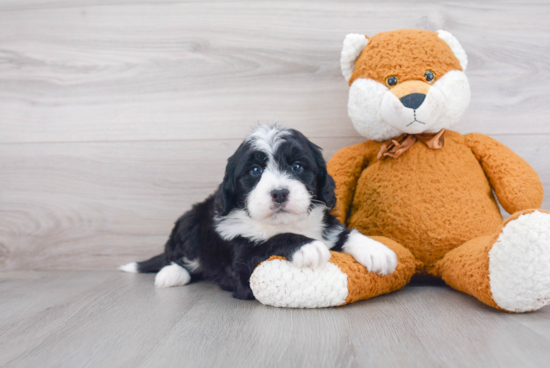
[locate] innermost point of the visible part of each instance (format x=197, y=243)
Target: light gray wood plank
x=97, y=70
x=88, y=321
x=78, y=205
x=538, y=322
x=122, y=320
x=24, y=294
x=97, y=205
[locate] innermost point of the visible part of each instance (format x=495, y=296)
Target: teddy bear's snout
x=413, y=101
x=411, y=93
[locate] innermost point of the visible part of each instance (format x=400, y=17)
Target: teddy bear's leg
x=508, y=270
x=342, y=280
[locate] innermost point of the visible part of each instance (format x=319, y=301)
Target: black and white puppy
x=275, y=199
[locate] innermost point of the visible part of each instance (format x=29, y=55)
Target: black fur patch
x=230, y=263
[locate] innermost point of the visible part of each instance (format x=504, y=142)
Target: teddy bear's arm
x=516, y=184
x=345, y=167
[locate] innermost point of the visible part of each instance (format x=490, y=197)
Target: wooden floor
x=112, y=319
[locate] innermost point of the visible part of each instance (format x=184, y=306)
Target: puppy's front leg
x=298, y=249
x=375, y=256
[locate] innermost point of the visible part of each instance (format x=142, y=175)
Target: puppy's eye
x=391, y=81
x=430, y=76
x=256, y=170
x=297, y=168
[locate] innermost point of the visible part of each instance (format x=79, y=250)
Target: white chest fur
x=238, y=223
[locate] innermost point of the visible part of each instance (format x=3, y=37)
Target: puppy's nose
x=413, y=101
x=279, y=196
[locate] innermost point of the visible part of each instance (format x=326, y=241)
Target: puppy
x=275, y=199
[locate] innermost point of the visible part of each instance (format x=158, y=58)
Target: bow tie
x=396, y=147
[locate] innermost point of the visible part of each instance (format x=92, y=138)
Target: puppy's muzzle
x=279, y=196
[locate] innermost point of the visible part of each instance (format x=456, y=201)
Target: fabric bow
x=396, y=147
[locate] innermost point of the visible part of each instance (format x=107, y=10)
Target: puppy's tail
x=152, y=265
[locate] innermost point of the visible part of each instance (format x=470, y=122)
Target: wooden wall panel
x=115, y=116
x=202, y=70
x=97, y=205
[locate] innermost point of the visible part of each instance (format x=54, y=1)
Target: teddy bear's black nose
x=413, y=101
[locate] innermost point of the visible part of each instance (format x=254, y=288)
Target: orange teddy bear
x=424, y=191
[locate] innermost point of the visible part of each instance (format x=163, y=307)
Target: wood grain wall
x=115, y=116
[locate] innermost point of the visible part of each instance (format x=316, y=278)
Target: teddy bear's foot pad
x=342, y=280
x=280, y=284
x=519, y=264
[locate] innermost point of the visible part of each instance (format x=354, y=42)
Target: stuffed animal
x=425, y=191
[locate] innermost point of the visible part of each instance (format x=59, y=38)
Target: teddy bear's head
x=405, y=81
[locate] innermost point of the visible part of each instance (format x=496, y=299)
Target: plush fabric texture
x=466, y=268
x=518, y=262
x=453, y=43
x=436, y=208
x=516, y=184
x=439, y=204
x=366, y=95
x=476, y=266
x=396, y=147
x=364, y=285
x=430, y=201
x=353, y=45
x=278, y=283
x=412, y=53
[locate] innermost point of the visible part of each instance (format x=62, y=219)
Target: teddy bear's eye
x=430, y=76
x=391, y=81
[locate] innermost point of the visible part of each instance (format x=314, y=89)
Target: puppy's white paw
x=129, y=267
x=375, y=256
x=313, y=254
x=172, y=275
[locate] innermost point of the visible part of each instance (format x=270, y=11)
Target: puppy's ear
x=225, y=195
x=325, y=183
x=325, y=186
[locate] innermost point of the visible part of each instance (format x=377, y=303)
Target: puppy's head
x=276, y=175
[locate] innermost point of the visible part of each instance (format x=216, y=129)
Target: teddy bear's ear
x=353, y=45
x=455, y=47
